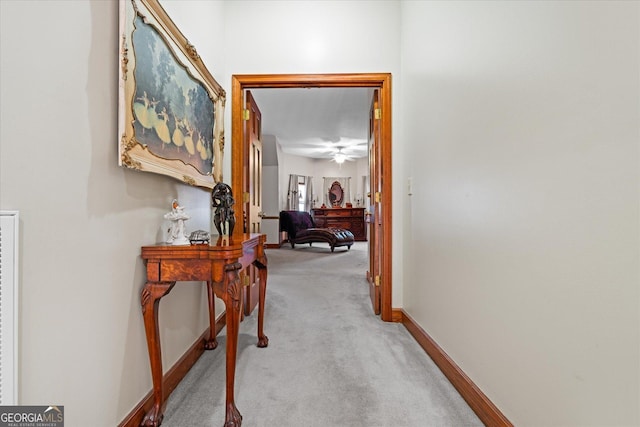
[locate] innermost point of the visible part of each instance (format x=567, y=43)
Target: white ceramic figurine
x=177, y=216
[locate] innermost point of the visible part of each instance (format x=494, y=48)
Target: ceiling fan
x=349, y=150
x=340, y=156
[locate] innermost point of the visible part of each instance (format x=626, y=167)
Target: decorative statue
x=177, y=216
x=222, y=201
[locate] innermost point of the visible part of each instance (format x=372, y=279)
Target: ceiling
x=316, y=122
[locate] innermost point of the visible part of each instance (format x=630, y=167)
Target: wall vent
x=9, y=226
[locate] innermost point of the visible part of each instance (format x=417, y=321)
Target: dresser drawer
x=338, y=224
x=347, y=218
x=340, y=212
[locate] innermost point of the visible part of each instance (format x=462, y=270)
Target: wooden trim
x=386, y=205
x=488, y=413
x=382, y=81
x=397, y=315
x=172, y=377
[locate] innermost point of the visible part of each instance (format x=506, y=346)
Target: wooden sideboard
x=349, y=218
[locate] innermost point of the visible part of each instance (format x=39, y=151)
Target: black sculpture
x=222, y=202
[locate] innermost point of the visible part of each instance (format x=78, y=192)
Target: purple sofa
x=300, y=228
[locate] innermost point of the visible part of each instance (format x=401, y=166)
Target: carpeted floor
x=330, y=361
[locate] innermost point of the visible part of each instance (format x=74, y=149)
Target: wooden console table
x=219, y=265
x=350, y=218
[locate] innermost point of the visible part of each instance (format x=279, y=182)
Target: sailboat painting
x=171, y=108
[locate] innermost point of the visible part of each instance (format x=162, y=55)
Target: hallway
x=330, y=361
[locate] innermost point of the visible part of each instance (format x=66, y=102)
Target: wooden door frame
x=382, y=81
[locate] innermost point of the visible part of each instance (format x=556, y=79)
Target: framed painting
x=171, y=110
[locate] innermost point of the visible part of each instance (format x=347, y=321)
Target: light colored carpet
x=330, y=361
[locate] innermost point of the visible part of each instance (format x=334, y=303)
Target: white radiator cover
x=9, y=227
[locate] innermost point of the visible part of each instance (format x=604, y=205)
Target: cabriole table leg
x=150, y=299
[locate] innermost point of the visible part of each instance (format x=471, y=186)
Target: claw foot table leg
x=261, y=264
x=153, y=418
x=232, y=417
x=233, y=303
x=150, y=301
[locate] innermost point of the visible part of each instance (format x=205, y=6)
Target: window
x=302, y=193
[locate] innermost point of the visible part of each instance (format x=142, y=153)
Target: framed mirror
x=336, y=194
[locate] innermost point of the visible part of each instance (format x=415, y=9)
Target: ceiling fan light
x=339, y=158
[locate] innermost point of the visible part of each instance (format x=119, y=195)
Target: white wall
x=522, y=239
x=270, y=190
x=82, y=218
x=270, y=197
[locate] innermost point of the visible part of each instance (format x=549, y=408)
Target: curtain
x=292, y=194
x=308, y=200
x=345, y=182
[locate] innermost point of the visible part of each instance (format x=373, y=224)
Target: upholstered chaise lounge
x=301, y=229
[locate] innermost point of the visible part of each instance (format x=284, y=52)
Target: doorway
x=240, y=158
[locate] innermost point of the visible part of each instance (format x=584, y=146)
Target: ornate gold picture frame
x=171, y=110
